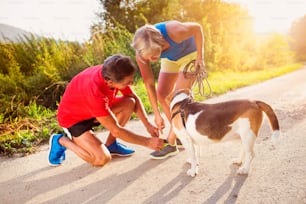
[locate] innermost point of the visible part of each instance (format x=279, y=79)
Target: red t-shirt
x=87, y=96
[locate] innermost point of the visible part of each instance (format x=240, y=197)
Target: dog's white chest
x=192, y=130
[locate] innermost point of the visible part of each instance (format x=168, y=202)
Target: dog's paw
x=189, y=160
x=237, y=161
x=243, y=171
x=193, y=172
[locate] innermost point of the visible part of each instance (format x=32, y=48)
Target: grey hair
x=147, y=40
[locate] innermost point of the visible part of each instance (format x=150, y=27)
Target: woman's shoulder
x=163, y=23
x=160, y=25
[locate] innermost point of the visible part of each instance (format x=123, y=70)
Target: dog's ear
x=187, y=91
x=174, y=93
x=191, y=93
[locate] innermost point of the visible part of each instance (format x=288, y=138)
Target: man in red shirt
x=91, y=99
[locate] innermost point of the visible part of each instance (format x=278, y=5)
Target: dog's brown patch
x=215, y=120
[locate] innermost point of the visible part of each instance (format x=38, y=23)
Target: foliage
x=297, y=34
x=131, y=13
x=228, y=36
x=273, y=51
x=36, y=69
x=24, y=135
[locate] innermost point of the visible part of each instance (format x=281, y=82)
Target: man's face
x=128, y=80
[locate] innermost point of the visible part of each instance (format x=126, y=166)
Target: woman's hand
x=201, y=68
x=152, y=130
x=199, y=63
x=159, y=121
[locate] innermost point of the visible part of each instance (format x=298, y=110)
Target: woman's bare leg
x=167, y=83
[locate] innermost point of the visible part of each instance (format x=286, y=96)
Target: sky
x=273, y=15
x=71, y=19
x=64, y=19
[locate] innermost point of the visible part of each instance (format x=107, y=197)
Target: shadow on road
x=170, y=190
x=227, y=186
x=34, y=187
x=104, y=190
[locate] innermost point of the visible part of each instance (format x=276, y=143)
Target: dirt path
x=276, y=175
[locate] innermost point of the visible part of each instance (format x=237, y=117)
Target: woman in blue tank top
x=176, y=44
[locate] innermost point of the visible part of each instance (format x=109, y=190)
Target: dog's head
x=178, y=96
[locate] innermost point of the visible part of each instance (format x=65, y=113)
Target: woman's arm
x=179, y=32
x=142, y=115
x=148, y=79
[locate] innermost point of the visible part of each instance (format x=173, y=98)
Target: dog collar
x=182, y=111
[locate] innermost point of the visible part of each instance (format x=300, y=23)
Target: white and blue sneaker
x=56, y=150
x=119, y=149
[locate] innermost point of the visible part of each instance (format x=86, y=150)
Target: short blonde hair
x=147, y=40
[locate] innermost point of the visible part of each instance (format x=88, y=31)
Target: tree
x=228, y=32
x=131, y=13
x=298, y=42
x=273, y=51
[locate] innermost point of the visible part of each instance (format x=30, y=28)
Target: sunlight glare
x=273, y=15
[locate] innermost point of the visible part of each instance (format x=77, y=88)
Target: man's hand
x=155, y=143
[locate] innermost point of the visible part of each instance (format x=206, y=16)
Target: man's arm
x=110, y=123
x=179, y=32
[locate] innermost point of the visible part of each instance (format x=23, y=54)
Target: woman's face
x=152, y=57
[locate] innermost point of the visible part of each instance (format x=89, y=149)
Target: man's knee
x=131, y=101
x=101, y=157
x=128, y=103
x=101, y=161
x=129, y=106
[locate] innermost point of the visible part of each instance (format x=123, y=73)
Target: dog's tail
x=272, y=118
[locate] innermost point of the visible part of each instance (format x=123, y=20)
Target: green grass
x=24, y=135
x=222, y=82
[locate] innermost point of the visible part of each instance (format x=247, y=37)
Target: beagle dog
x=196, y=123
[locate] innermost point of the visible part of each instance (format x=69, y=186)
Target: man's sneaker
x=119, y=149
x=56, y=150
x=166, y=151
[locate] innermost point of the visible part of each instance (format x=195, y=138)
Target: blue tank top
x=176, y=50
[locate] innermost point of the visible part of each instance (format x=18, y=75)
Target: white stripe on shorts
x=67, y=132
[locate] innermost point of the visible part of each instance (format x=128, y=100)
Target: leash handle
x=201, y=76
